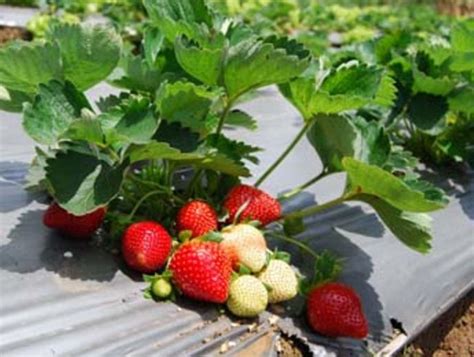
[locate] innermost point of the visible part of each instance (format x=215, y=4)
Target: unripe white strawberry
x=246, y=245
x=248, y=297
x=281, y=279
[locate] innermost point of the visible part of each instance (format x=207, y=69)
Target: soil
x=452, y=334
x=13, y=33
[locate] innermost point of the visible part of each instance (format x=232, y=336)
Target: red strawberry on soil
x=253, y=204
x=83, y=226
x=202, y=271
x=146, y=246
x=335, y=310
x=198, y=217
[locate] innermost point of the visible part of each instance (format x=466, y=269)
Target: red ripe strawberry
x=259, y=205
x=146, y=246
x=83, y=226
x=335, y=310
x=198, y=217
x=202, y=271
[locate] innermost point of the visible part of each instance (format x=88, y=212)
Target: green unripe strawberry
x=161, y=288
x=248, y=296
x=281, y=280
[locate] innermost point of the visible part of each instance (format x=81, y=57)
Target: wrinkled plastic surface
x=64, y=297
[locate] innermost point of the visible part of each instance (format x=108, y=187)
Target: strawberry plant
x=156, y=161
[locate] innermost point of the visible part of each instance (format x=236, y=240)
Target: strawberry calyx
x=327, y=268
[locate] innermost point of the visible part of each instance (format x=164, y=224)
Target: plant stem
x=298, y=189
x=223, y=117
x=317, y=208
x=296, y=242
x=194, y=181
x=284, y=154
x=143, y=199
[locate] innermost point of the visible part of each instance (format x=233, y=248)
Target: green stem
x=284, y=154
x=223, y=117
x=309, y=211
x=298, y=189
x=296, y=242
x=141, y=200
x=194, y=181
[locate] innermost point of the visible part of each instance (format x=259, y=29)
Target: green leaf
x=135, y=73
x=81, y=181
x=36, y=176
x=88, y=54
x=12, y=100
x=153, y=41
x=23, y=66
x=400, y=160
x=367, y=179
x=427, y=112
x=462, y=36
x=202, y=61
x=335, y=137
x=235, y=150
x=426, y=84
x=412, y=229
x=211, y=160
x=253, y=64
x=178, y=17
x=239, y=118
x=337, y=91
x=186, y=103
x=177, y=136
x=138, y=123
x=85, y=129
x=53, y=110
x=387, y=91
x=462, y=100
x=430, y=191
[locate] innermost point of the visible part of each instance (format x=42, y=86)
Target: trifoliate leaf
x=412, y=229
x=427, y=112
x=462, y=36
x=208, y=160
x=241, y=119
x=53, y=110
x=335, y=137
x=202, y=59
x=23, y=66
x=153, y=40
x=178, y=17
x=430, y=191
x=426, y=84
x=12, y=100
x=338, y=91
x=462, y=100
x=187, y=104
x=400, y=160
x=88, y=54
x=368, y=179
x=85, y=129
x=253, y=64
x=177, y=136
x=136, y=74
x=83, y=190
x=236, y=150
x=138, y=123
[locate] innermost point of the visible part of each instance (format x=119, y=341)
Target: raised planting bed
x=67, y=297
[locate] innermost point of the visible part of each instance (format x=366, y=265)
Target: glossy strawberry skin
x=202, y=271
x=335, y=310
x=81, y=227
x=259, y=205
x=146, y=246
x=198, y=217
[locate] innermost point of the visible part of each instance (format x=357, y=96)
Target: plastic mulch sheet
x=65, y=297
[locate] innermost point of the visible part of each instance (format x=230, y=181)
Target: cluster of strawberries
x=232, y=266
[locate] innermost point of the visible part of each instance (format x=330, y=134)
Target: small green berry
x=161, y=288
